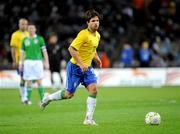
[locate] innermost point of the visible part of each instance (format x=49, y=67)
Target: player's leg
x=51, y=76
x=72, y=83
x=29, y=91
x=90, y=81
x=28, y=77
x=60, y=76
x=60, y=85
x=91, y=104
x=53, y=69
x=57, y=68
x=37, y=74
x=40, y=89
x=58, y=95
x=22, y=89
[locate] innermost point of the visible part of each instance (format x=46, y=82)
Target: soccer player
x=15, y=43
x=79, y=69
x=54, y=50
x=33, y=52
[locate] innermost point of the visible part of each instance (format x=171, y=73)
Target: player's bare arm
x=13, y=55
x=74, y=54
x=97, y=60
x=46, y=60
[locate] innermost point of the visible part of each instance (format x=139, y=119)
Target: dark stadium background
x=127, y=21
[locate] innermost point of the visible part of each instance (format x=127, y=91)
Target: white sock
x=56, y=95
x=91, y=104
x=23, y=93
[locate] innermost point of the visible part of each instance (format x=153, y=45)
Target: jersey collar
x=34, y=36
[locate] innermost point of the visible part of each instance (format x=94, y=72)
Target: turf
x=119, y=111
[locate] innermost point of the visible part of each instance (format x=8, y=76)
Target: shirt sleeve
x=42, y=44
x=79, y=40
x=14, y=40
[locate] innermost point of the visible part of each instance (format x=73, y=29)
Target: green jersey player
x=33, y=53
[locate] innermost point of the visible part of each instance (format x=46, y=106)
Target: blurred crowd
x=134, y=33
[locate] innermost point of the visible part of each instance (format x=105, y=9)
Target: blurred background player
x=31, y=60
x=54, y=50
x=15, y=43
x=145, y=55
x=126, y=56
x=79, y=69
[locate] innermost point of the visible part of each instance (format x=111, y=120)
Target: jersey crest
x=27, y=42
x=36, y=41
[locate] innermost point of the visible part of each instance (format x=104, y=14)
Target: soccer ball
x=152, y=118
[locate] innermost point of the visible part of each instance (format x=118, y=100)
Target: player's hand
x=84, y=67
x=99, y=63
x=46, y=65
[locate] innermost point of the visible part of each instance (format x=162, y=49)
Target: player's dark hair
x=32, y=23
x=91, y=14
x=36, y=26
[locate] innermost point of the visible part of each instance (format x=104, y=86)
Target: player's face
x=23, y=24
x=93, y=23
x=53, y=39
x=32, y=30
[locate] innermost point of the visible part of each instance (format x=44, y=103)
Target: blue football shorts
x=75, y=76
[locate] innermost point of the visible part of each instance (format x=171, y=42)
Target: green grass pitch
x=118, y=111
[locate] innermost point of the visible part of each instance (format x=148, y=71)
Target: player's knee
x=92, y=88
x=29, y=83
x=93, y=91
x=39, y=83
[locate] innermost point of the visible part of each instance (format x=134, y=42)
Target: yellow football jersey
x=16, y=42
x=85, y=43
